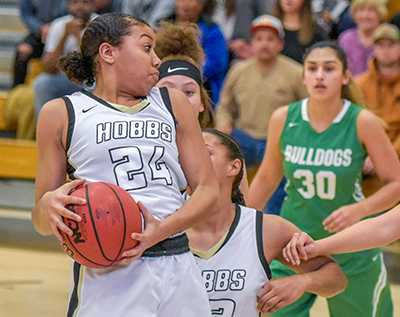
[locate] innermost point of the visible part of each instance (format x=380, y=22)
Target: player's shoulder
x=173, y=93
x=53, y=115
x=53, y=106
x=280, y=114
x=366, y=118
x=180, y=104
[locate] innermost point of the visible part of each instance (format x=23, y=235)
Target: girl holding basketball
x=146, y=140
x=320, y=145
x=234, y=246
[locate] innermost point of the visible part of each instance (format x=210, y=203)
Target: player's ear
x=106, y=53
x=236, y=166
x=346, y=77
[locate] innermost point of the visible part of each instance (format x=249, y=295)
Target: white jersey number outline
x=129, y=167
x=222, y=307
x=324, y=184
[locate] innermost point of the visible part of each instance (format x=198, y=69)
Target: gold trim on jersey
x=205, y=255
x=131, y=110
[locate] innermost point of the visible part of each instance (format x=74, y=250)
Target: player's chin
x=154, y=79
x=149, y=84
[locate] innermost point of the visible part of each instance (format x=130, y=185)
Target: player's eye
x=312, y=68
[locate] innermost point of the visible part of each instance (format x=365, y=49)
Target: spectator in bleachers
x=19, y=113
x=328, y=13
x=248, y=10
x=223, y=13
x=380, y=84
x=107, y=6
x=151, y=11
x=301, y=29
x=36, y=15
x=357, y=42
x=255, y=88
x=212, y=40
x=64, y=37
x=396, y=20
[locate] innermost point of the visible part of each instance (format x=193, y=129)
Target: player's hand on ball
x=53, y=206
x=146, y=239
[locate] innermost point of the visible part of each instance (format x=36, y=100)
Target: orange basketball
x=109, y=218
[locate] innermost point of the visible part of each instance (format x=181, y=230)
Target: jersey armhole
x=71, y=121
x=260, y=244
x=167, y=102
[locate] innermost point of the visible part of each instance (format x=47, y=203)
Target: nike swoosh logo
x=171, y=70
x=292, y=124
x=375, y=257
x=88, y=109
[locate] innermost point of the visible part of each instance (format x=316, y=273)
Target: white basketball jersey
x=238, y=270
x=136, y=150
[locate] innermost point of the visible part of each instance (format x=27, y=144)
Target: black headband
x=176, y=67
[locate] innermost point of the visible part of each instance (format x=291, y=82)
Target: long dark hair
x=349, y=91
x=106, y=28
x=234, y=152
x=307, y=22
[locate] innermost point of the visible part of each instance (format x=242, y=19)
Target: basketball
x=109, y=217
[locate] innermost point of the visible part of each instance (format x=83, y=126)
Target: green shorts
x=367, y=294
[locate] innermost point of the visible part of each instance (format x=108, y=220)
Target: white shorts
x=166, y=286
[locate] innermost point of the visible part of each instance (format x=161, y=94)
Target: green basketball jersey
x=323, y=169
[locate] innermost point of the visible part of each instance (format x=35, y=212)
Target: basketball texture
x=109, y=217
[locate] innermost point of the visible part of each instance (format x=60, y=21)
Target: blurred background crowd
x=29, y=76
x=245, y=80
x=246, y=74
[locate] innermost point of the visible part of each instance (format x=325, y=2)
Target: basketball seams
x=125, y=221
x=94, y=223
x=72, y=245
x=91, y=242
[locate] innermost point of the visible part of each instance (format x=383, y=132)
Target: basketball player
x=146, y=140
x=320, y=144
x=233, y=248
x=181, y=54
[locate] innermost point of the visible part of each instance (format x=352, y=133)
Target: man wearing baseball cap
x=255, y=88
x=380, y=84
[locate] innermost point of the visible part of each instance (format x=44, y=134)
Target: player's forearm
x=259, y=192
x=327, y=281
x=203, y=202
x=40, y=224
x=366, y=234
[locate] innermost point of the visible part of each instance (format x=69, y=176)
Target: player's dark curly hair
x=107, y=28
x=234, y=152
x=181, y=42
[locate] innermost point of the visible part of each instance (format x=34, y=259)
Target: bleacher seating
x=18, y=159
